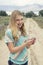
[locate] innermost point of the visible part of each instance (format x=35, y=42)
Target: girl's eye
x=19, y=19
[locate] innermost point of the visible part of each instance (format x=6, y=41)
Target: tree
x=3, y=13
x=41, y=13
x=30, y=14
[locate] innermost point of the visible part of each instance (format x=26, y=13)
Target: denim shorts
x=11, y=63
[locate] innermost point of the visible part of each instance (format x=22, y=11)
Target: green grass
x=4, y=20
x=39, y=21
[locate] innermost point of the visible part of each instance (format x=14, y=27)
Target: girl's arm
x=16, y=49
x=12, y=48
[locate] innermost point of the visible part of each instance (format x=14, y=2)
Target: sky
x=20, y=2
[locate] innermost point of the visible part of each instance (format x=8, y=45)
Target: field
x=5, y=20
x=39, y=20
x=3, y=23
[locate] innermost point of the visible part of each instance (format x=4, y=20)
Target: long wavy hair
x=12, y=25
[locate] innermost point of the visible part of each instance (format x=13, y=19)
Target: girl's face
x=19, y=21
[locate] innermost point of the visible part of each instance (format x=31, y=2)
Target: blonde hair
x=13, y=26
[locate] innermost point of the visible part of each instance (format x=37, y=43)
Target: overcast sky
x=20, y=2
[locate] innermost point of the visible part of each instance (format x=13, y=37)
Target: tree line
x=28, y=14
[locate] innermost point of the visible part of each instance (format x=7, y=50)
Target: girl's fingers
x=34, y=40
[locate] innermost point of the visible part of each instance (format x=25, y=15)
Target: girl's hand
x=30, y=42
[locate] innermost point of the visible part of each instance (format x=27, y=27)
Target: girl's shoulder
x=8, y=32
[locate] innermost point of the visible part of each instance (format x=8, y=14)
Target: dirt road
x=35, y=53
